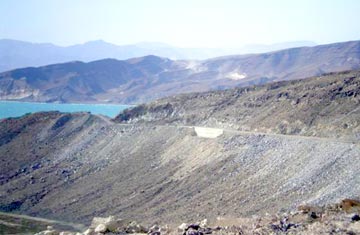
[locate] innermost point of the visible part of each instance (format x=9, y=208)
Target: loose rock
x=356, y=217
x=101, y=228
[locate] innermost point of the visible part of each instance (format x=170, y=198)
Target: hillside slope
x=148, y=78
x=159, y=168
x=99, y=81
x=324, y=106
x=86, y=167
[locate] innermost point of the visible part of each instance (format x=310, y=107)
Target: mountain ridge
x=143, y=79
x=18, y=54
x=322, y=106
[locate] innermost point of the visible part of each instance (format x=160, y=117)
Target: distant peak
x=95, y=41
x=148, y=58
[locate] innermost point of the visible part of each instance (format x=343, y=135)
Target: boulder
x=355, y=217
x=207, y=230
x=154, y=233
x=51, y=232
x=195, y=226
x=350, y=205
x=115, y=225
x=134, y=227
x=312, y=215
x=67, y=233
x=204, y=223
x=100, y=220
x=192, y=231
x=154, y=228
x=157, y=229
x=304, y=209
x=182, y=227
x=141, y=229
x=101, y=228
x=48, y=232
x=89, y=231
x=111, y=223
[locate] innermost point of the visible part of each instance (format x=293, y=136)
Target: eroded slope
x=91, y=167
x=325, y=106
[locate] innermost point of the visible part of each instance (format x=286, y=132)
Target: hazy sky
x=185, y=23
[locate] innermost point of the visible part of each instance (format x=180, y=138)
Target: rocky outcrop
x=308, y=219
x=350, y=205
x=108, y=225
x=324, y=106
x=115, y=225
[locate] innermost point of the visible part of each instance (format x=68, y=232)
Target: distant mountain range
x=18, y=54
x=147, y=78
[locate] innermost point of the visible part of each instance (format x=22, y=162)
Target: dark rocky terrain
x=148, y=78
x=323, y=106
x=155, y=167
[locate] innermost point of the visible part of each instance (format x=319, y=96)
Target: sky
x=182, y=23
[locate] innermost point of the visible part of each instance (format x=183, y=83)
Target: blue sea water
x=16, y=109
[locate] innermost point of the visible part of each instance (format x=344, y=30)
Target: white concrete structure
x=206, y=132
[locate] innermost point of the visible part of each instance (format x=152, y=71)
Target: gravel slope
x=90, y=167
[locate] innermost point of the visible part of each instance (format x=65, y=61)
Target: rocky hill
x=149, y=78
x=103, y=80
x=323, y=106
x=159, y=166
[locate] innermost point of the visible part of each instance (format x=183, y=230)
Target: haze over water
x=17, y=109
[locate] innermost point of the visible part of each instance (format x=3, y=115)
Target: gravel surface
x=90, y=167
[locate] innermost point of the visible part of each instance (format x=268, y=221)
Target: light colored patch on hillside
x=18, y=90
x=236, y=75
x=205, y=132
x=195, y=66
